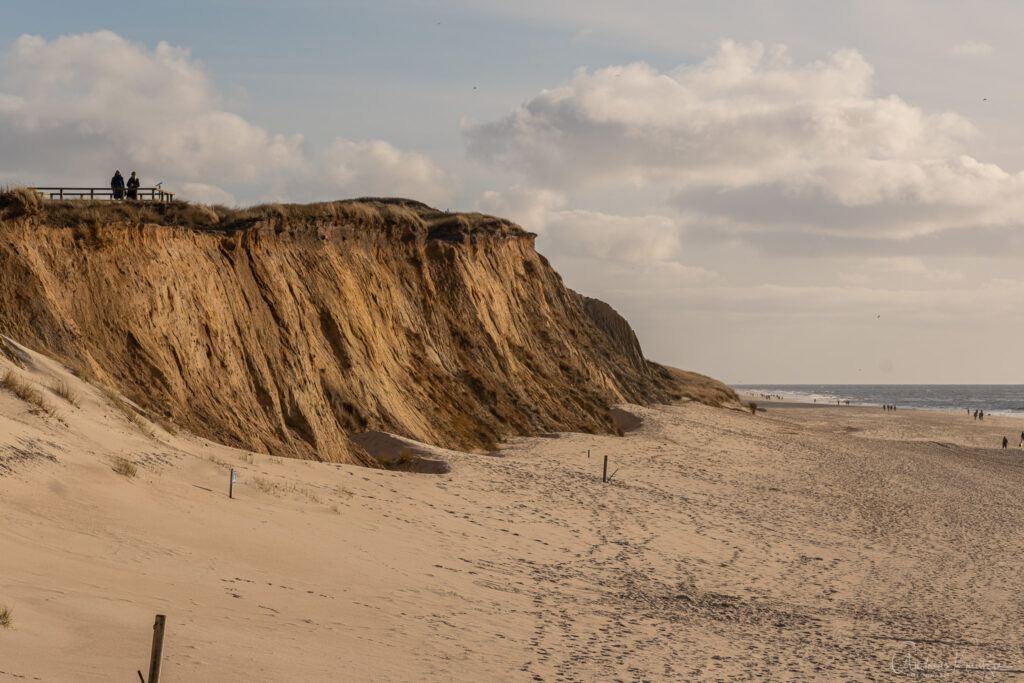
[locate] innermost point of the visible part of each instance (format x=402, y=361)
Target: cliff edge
x=285, y=329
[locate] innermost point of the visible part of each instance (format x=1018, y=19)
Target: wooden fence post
x=158, y=649
x=604, y=474
x=231, y=486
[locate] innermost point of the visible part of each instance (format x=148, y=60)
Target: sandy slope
x=804, y=543
x=289, y=330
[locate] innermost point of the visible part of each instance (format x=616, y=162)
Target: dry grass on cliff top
x=369, y=212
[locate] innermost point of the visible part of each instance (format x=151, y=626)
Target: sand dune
x=805, y=544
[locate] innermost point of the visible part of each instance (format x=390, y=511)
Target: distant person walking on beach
x=133, y=186
x=117, y=185
x=1005, y=441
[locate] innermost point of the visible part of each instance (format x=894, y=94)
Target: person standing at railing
x=117, y=185
x=133, y=186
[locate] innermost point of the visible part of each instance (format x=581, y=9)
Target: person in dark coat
x=133, y=186
x=117, y=185
x=1005, y=441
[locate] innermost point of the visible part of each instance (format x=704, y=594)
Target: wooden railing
x=146, y=194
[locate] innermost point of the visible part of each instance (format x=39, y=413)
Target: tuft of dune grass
x=82, y=371
x=18, y=201
x=125, y=467
x=166, y=424
x=6, y=616
x=404, y=457
x=280, y=490
x=62, y=389
x=23, y=390
x=219, y=462
x=130, y=413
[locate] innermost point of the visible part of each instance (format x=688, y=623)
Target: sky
x=770, y=192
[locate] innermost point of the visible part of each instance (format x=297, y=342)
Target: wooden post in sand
x=604, y=474
x=231, y=485
x=158, y=649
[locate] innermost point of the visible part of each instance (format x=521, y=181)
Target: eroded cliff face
x=294, y=328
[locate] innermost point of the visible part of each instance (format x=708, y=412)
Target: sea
x=992, y=398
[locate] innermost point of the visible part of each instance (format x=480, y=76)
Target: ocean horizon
x=992, y=398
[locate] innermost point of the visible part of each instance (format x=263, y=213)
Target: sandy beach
x=804, y=543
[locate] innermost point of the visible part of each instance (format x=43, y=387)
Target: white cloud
x=752, y=141
x=871, y=270
x=911, y=265
x=527, y=206
x=370, y=168
x=633, y=239
x=863, y=302
x=971, y=49
x=154, y=110
x=202, y=193
x=654, y=278
x=74, y=108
